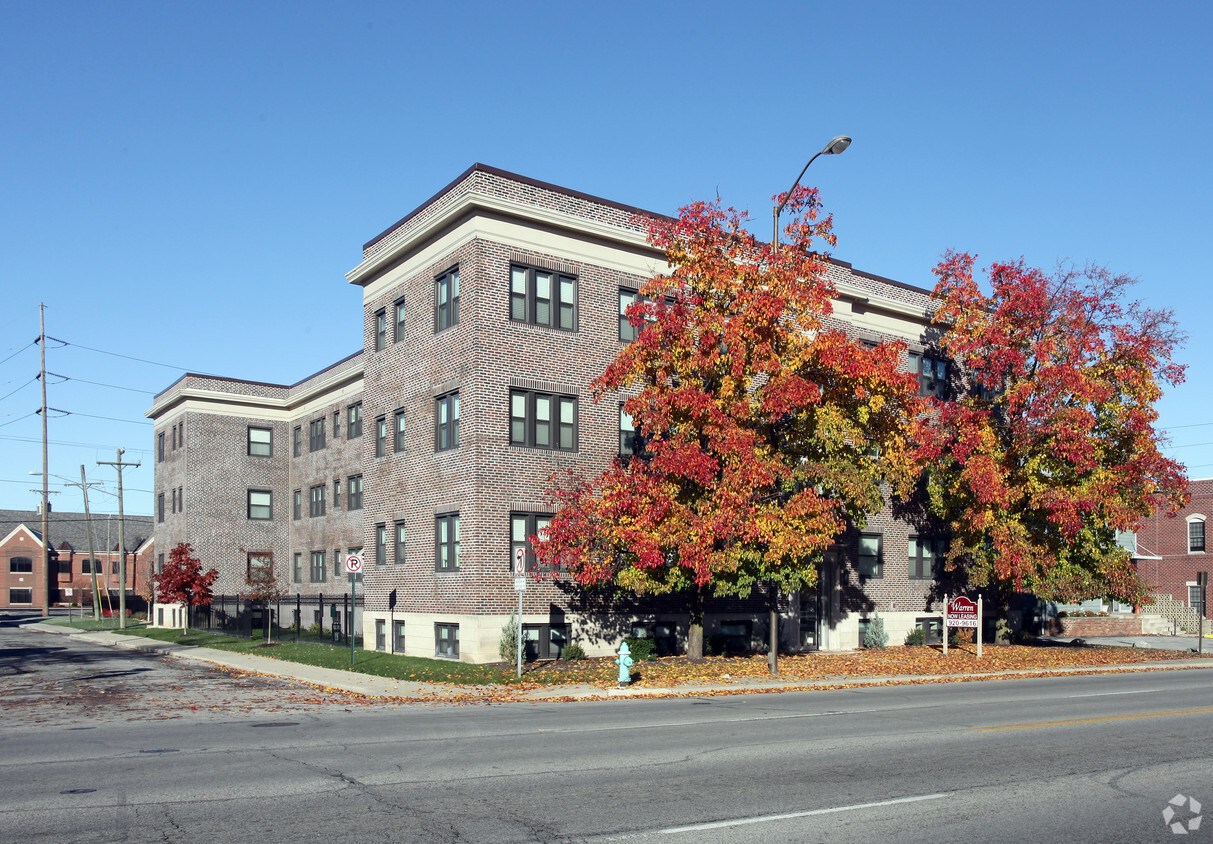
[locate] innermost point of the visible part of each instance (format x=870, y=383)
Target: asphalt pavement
x=385, y=687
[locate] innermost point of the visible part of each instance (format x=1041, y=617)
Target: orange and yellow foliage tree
x=766, y=429
x=1054, y=448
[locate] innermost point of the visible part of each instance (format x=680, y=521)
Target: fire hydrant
x=625, y=664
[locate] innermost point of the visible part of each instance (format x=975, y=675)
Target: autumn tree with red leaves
x=1054, y=449
x=767, y=430
x=182, y=581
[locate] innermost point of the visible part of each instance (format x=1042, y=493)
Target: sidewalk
x=385, y=687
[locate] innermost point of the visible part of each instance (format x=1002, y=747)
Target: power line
x=98, y=384
x=110, y=446
x=19, y=418
x=93, y=416
x=19, y=389
x=129, y=357
x=33, y=342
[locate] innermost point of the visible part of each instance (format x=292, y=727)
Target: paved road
x=1074, y=758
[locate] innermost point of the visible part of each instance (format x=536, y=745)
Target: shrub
x=915, y=637
x=876, y=637
x=642, y=649
x=573, y=651
x=508, y=648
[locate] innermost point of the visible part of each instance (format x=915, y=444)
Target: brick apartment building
x=1170, y=550
x=21, y=557
x=487, y=313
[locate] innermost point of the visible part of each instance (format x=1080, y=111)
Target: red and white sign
x=962, y=613
x=353, y=563
x=520, y=561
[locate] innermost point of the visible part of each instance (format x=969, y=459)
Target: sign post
x=1202, y=580
x=962, y=612
x=353, y=564
x=519, y=587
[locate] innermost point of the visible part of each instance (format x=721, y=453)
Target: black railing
x=320, y=619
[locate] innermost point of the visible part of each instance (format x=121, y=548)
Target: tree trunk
x=773, y=638
x=695, y=634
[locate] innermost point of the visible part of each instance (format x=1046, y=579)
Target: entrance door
x=810, y=618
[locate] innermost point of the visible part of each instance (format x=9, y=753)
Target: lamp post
x=837, y=144
x=834, y=147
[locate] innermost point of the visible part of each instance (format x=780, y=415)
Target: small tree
x=182, y=581
x=876, y=637
x=263, y=587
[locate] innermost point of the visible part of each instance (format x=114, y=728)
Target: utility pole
x=51, y=579
x=119, y=465
x=88, y=526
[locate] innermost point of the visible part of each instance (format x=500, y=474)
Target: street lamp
x=837, y=145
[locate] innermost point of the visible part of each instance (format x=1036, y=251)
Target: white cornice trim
x=472, y=201
x=200, y=399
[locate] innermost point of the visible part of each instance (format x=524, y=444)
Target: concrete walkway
x=385, y=687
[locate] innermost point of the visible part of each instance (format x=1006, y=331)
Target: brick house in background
x=1170, y=550
x=487, y=313
x=21, y=556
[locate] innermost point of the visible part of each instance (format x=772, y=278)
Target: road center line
x=1098, y=720
x=1109, y=694
x=699, y=827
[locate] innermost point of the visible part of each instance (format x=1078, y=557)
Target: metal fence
x=320, y=619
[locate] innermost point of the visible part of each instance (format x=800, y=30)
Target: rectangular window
x=258, y=563
x=398, y=557
x=336, y=425
x=315, y=435
x=381, y=436
x=160, y=447
x=65, y=566
x=353, y=501
x=543, y=420
x=174, y=492
x=446, y=422
x=353, y=417
x=627, y=331
x=160, y=507
x=522, y=527
x=337, y=494
x=926, y=555
x=380, y=330
x=86, y=567
x=114, y=567
x=870, y=563
x=1194, y=599
x=630, y=441
x=446, y=640
x=297, y=505
x=315, y=501
x=932, y=374
x=260, y=442
x=318, y=572
x=174, y=437
x=545, y=298
x=398, y=322
x=543, y=641
x=398, y=642
x=446, y=542
x=380, y=545
x=297, y=441
x=260, y=504
x=159, y=563
x=380, y=634
x=25, y=565
x=446, y=300
x=398, y=431
x=297, y=568
x=1196, y=536
x=26, y=596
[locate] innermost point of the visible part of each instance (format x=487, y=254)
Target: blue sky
x=186, y=184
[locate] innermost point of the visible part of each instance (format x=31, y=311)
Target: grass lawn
x=672, y=671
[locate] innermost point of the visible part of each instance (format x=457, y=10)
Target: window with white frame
x=1196, y=534
x=446, y=640
x=380, y=330
x=446, y=421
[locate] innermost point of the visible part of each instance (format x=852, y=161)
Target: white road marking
x=700, y=827
x=1109, y=694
